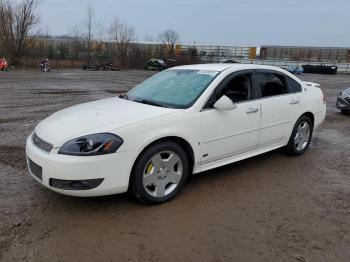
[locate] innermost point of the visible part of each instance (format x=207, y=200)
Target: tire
x=154, y=180
x=344, y=111
x=300, y=138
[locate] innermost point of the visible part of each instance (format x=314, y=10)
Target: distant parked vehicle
x=171, y=63
x=320, y=69
x=91, y=67
x=3, y=64
x=97, y=67
x=45, y=65
x=343, y=101
x=230, y=61
x=296, y=70
x=156, y=65
x=109, y=67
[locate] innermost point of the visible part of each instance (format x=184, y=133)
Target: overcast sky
x=227, y=22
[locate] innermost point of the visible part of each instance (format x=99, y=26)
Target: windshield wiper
x=124, y=96
x=143, y=101
x=148, y=102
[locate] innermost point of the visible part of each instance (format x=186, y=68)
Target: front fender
x=137, y=137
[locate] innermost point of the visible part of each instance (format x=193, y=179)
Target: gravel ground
x=268, y=208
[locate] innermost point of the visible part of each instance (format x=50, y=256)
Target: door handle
x=294, y=102
x=252, y=110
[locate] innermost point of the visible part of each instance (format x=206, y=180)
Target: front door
x=226, y=133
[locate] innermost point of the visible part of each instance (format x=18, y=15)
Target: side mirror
x=224, y=103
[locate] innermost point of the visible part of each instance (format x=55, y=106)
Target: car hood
x=95, y=117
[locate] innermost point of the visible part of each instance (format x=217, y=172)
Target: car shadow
x=203, y=179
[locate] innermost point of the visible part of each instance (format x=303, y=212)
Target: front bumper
x=342, y=103
x=114, y=169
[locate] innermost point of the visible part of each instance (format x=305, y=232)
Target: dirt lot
x=269, y=208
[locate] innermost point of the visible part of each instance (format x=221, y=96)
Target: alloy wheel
x=162, y=174
x=302, y=136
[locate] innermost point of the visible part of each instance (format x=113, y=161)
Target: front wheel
x=160, y=173
x=300, y=138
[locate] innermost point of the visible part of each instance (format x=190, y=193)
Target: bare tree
x=123, y=35
x=149, y=46
x=41, y=39
x=89, y=24
x=149, y=39
x=75, y=32
x=193, y=54
x=77, y=43
x=16, y=21
x=100, y=32
x=1, y=42
x=169, y=38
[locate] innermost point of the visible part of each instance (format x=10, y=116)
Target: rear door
x=280, y=106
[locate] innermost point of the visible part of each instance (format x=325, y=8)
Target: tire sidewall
x=140, y=164
x=291, y=148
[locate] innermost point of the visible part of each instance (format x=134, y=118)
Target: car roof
x=222, y=67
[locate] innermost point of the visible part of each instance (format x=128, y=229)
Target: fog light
x=75, y=184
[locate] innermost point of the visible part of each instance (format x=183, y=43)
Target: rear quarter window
x=293, y=86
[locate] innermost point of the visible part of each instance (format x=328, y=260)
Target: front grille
x=35, y=169
x=43, y=145
x=347, y=99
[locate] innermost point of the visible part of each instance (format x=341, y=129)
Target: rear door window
x=271, y=84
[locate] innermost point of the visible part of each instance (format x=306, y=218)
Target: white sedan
x=181, y=121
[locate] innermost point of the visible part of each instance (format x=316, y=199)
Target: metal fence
x=74, y=52
x=215, y=51
x=342, y=67
x=306, y=53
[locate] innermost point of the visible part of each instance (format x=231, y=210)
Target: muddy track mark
x=13, y=156
x=61, y=92
x=11, y=120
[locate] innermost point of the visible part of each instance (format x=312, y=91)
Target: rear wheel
x=300, y=138
x=160, y=173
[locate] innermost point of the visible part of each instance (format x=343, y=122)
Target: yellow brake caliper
x=149, y=168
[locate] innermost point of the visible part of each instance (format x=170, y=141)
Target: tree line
x=21, y=40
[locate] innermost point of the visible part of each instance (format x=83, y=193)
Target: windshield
x=176, y=88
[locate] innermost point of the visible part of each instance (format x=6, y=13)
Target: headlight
x=90, y=145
